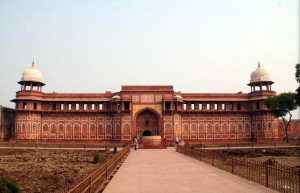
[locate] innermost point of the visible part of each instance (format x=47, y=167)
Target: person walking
x=176, y=140
x=135, y=142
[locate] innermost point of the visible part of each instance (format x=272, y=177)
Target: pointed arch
x=100, y=129
x=240, y=128
x=92, y=128
x=117, y=128
x=108, y=128
x=185, y=128
x=232, y=128
x=247, y=128
x=28, y=129
x=201, y=128
x=76, y=128
x=33, y=127
x=217, y=128
x=224, y=128
x=193, y=128
x=45, y=128
x=176, y=128
x=60, y=128
x=209, y=128
x=126, y=128
x=84, y=128
x=53, y=128
x=168, y=128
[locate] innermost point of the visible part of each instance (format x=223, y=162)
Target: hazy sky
x=196, y=46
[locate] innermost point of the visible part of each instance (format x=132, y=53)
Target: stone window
x=77, y=107
x=239, y=106
x=61, y=107
x=93, y=107
x=223, y=107
x=70, y=107
x=54, y=107
x=34, y=106
x=192, y=106
x=231, y=107
x=257, y=106
x=126, y=106
x=100, y=107
x=215, y=106
x=147, y=122
x=184, y=106
x=200, y=106
x=207, y=106
x=85, y=107
x=24, y=105
x=168, y=105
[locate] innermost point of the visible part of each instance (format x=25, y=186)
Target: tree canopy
x=281, y=106
x=297, y=76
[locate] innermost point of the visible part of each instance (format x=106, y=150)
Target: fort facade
x=145, y=110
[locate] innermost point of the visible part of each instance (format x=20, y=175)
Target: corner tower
x=263, y=123
x=29, y=105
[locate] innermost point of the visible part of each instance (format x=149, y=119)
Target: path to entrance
x=166, y=171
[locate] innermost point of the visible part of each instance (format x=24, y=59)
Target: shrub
x=96, y=158
x=9, y=185
x=270, y=162
x=193, y=147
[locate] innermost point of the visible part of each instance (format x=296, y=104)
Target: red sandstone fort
x=143, y=111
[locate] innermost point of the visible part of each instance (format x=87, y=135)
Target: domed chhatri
x=260, y=75
x=32, y=74
x=260, y=78
x=32, y=79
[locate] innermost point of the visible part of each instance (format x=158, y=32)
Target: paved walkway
x=166, y=171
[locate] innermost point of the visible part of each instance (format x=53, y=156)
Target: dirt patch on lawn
x=47, y=170
x=289, y=157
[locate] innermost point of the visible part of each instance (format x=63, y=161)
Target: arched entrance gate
x=147, y=124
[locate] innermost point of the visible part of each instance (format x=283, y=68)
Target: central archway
x=147, y=123
x=147, y=133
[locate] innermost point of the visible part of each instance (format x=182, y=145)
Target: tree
x=298, y=96
x=297, y=76
x=281, y=106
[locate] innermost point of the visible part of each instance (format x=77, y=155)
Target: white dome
x=32, y=74
x=260, y=75
x=116, y=97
